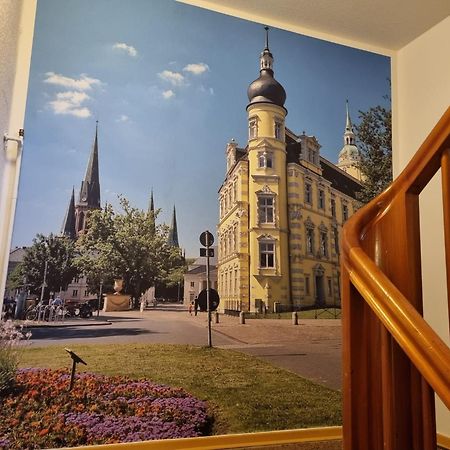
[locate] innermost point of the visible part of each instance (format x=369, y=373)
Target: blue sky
x=168, y=84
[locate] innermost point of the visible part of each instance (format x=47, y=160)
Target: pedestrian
x=190, y=308
x=195, y=305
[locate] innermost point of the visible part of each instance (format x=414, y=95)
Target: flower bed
x=41, y=413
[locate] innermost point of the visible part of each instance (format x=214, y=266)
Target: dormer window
x=253, y=128
x=265, y=160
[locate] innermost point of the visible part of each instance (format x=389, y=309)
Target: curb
x=65, y=324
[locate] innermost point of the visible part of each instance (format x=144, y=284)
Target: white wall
x=16, y=37
x=421, y=85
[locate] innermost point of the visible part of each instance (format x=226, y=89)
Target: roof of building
x=68, y=228
x=17, y=254
x=199, y=269
x=340, y=180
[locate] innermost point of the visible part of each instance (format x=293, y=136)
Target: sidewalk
x=312, y=349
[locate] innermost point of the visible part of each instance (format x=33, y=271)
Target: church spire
x=68, y=228
x=151, y=213
x=349, y=157
x=90, y=186
x=348, y=123
x=151, y=207
x=173, y=232
x=349, y=136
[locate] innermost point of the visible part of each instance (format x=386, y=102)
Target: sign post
x=207, y=239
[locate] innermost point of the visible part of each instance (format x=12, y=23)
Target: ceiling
x=383, y=26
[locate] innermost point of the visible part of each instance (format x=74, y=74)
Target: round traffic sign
x=213, y=300
x=206, y=239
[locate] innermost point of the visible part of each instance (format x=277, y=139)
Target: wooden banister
x=393, y=360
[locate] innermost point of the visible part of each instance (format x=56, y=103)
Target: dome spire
x=266, y=58
x=349, y=136
x=348, y=123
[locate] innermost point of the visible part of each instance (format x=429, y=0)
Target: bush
x=10, y=336
x=42, y=413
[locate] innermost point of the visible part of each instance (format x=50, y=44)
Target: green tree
x=126, y=245
x=374, y=134
x=15, y=278
x=58, y=253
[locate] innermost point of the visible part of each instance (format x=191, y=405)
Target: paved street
x=312, y=349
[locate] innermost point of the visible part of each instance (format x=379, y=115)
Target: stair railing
x=394, y=361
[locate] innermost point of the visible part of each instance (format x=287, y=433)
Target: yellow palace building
x=282, y=207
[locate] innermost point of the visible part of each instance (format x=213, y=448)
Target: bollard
x=216, y=317
x=242, y=318
x=294, y=318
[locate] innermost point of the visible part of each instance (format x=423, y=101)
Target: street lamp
x=44, y=283
x=99, y=297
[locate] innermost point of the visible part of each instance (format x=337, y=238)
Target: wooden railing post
x=445, y=175
x=392, y=357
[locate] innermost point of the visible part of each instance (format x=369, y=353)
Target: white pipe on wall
x=19, y=69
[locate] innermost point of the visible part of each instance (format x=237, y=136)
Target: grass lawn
x=245, y=394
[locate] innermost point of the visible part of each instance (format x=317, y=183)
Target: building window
x=330, y=288
x=323, y=244
x=75, y=293
x=309, y=241
x=308, y=193
x=86, y=293
x=267, y=254
x=252, y=128
x=321, y=199
x=333, y=207
x=344, y=213
x=192, y=284
x=266, y=209
x=278, y=130
x=336, y=240
x=307, y=288
x=265, y=160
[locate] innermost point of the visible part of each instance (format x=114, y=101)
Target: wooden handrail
x=393, y=360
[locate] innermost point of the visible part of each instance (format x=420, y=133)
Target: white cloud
x=121, y=46
x=71, y=103
x=168, y=94
x=205, y=90
x=84, y=83
x=175, y=78
x=123, y=118
x=196, y=69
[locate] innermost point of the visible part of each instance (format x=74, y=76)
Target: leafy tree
x=59, y=254
x=126, y=245
x=15, y=278
x=374, y=134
